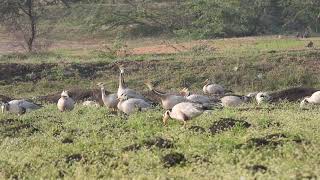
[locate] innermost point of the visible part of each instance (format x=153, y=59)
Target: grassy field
x=282, y=141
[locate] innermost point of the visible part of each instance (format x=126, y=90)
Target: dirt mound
x=257, y=168
x=150, y=143
x=292, y=94
x=271, y=141
x=70, y=159
x=4, y=98
x=225, y=124
x=173, y=159
x=67, y=141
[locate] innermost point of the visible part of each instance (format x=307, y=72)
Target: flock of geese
x=181, y=106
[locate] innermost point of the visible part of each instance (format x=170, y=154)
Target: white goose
x=65, y=103
x=111, y=100
x=129, y=106
x=19, y=106
x=233, y=100
x=183, y=112
x=167, y=100
x=313, y=99
x=263, y=97
x=213, y=89
x=197, y=98
x=123, y=89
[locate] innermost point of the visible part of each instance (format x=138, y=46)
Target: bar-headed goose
x=197, y=98
x=111, y=100
x=167, y=100
x=123, y=89
x=263, y=97
x=183, y=112
x=213, y=89
x=129, y=106
x=313, y=99
x=233, y=100
x=19, y=106
x=65, y=103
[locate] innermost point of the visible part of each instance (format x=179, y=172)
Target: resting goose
x=123, y=89
x=263, y=97
x=213, y=89
x=19, y=106
x=167, y=100
x=111, y=100
x=183, y=112
x=313, y=99
x=129, y=106
x=65, y=103
x=197, y=98
x=233, y=100
x=90, y=104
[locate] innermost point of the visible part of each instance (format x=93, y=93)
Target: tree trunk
x=32, y=20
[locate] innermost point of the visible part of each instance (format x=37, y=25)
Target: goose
x=262, y=97
x=167, y=100
x=123, y=89
x=213, y=89
x=19, y=106
x=90, y=104
x=65, y=103
x=129, y=106
x=197, y=98
x=183, y=112
x=111, y=100
x=233, y=100
x=313, y=99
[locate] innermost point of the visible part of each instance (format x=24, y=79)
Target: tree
x=24, y=17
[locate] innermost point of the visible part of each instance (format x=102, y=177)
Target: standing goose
x=262, y=97
x=167, y=100
x=183, y=112
x=111, y=100
x=129, y=106
x=213, y=89
x=313, y=99
x=123, y=89
x=197, y=98
x=65, y=103
x=233, y=100
x=19, y=106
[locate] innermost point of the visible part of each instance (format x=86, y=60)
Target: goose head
x=100, y=84
x=262, y=97
x=121, y=68
x=207, y=82
x=65, y=94
x=166, y=117
x=123, y=97
x=304, y=102
x=4, y=107
x=185, y=92
x=149, y=85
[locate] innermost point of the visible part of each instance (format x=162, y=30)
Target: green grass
x=98, y=140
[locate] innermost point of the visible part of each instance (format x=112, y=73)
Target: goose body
x=111, y=100
x=65, y=103
x=197, y=98
x=262, y=97
x=313, y=99
x=129, y=106
x=90, y=104
x=183, y=112
x=19, y=106
x=213, y=89
x=233, y=101
x=123, y=89
x=168, y=101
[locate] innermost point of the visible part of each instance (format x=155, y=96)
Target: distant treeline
x=201, y=18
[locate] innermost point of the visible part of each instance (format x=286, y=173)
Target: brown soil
x=292, y=94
